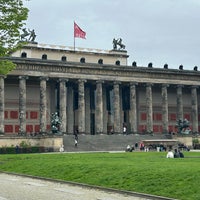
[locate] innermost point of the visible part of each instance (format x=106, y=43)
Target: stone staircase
x=104, y=142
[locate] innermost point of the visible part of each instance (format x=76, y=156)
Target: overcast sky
x=157, y=31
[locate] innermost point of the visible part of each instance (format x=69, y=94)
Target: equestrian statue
x=118, y=42
x=28, y=35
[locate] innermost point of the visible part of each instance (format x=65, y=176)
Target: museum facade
x=95, y=92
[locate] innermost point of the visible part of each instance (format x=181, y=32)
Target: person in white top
x=124, y=130
x=170, y=154
x=62, y=148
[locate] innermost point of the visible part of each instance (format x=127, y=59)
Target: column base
x=118, y=133
x=99, y=133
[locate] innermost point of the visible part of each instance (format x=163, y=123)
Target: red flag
x=78, y=32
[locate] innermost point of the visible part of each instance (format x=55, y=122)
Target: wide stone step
x=104, y=142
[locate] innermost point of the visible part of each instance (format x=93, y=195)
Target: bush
x=16, y=150
x=196, y=144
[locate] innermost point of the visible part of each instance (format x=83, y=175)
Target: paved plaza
x=13, y=187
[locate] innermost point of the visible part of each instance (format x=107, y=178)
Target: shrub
x=16, y=150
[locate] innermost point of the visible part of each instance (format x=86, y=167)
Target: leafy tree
x=12, y=17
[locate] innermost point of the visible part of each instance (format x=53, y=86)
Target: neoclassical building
x=94, y=91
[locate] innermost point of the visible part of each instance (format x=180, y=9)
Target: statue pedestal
x=118, y=52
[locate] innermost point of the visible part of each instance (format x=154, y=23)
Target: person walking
x=76, y=138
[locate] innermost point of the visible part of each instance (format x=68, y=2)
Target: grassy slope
x=138, y=171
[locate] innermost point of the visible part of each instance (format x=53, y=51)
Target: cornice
x=36, y=67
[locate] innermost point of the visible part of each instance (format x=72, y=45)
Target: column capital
x=63, y=80
x=149, y=84
x=133, y=83
x=3, y=76
x=100, y=81
x=194, y=86
x=82, y=80
x=44, y=78
x=165, y=85
x=23, y=77
x=179, y=86
x=117, y=82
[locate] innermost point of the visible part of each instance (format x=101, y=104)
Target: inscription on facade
x=114, y=74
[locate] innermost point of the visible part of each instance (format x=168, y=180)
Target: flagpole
x=74, y=44
x=74, y=37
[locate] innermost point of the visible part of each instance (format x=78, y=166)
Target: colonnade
x=66, y=111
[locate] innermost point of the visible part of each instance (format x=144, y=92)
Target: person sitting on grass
x=129, y=148
x=181, y=154
x=170, y=154
x=176, y=154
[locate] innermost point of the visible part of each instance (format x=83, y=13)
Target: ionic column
x=2, y=104
x=43, y=104
x=116, y=107
x=99, y=107
x=165, y=120
x=133, y=108
x=194, y=109
x=22, y=104
x=149, y=108
x=105, y=112
x=179, y=102
x=81, y=106
x=63, y=103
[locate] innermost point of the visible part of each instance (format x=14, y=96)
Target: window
x=64, y=58
x=82, y=60
x=44, y=57
x=165, y=66
x=134, y=64
x=117, y=62
x=100, y=61
x=150, y=65
x=181, y=67
x=23, y=55
x=172, y=116
x=143, y=116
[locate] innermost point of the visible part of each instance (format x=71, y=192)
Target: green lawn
x=146, y=172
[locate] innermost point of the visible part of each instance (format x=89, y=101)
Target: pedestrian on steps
x=76, y=138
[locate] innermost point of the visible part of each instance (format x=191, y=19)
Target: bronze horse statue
x=25, y=34
x=119, y=43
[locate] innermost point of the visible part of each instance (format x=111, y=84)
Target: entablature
x=105, y=72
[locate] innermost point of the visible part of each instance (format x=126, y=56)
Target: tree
x=12, y=18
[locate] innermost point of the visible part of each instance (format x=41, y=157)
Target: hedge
x=16, y=150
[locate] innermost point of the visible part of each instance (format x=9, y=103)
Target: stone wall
x=187, y=140
x=44, y=141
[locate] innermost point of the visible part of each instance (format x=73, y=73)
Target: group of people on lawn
x=175, y=154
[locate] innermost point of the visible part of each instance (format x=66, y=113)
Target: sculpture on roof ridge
x=28, y=35
x=118, y=42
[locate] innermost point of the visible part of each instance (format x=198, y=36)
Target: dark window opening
x=100, y=61
x=82, y=60
x=117, y=62
x=134, y=64
x=44, y=57
x=23, y=55
x=64, y=58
